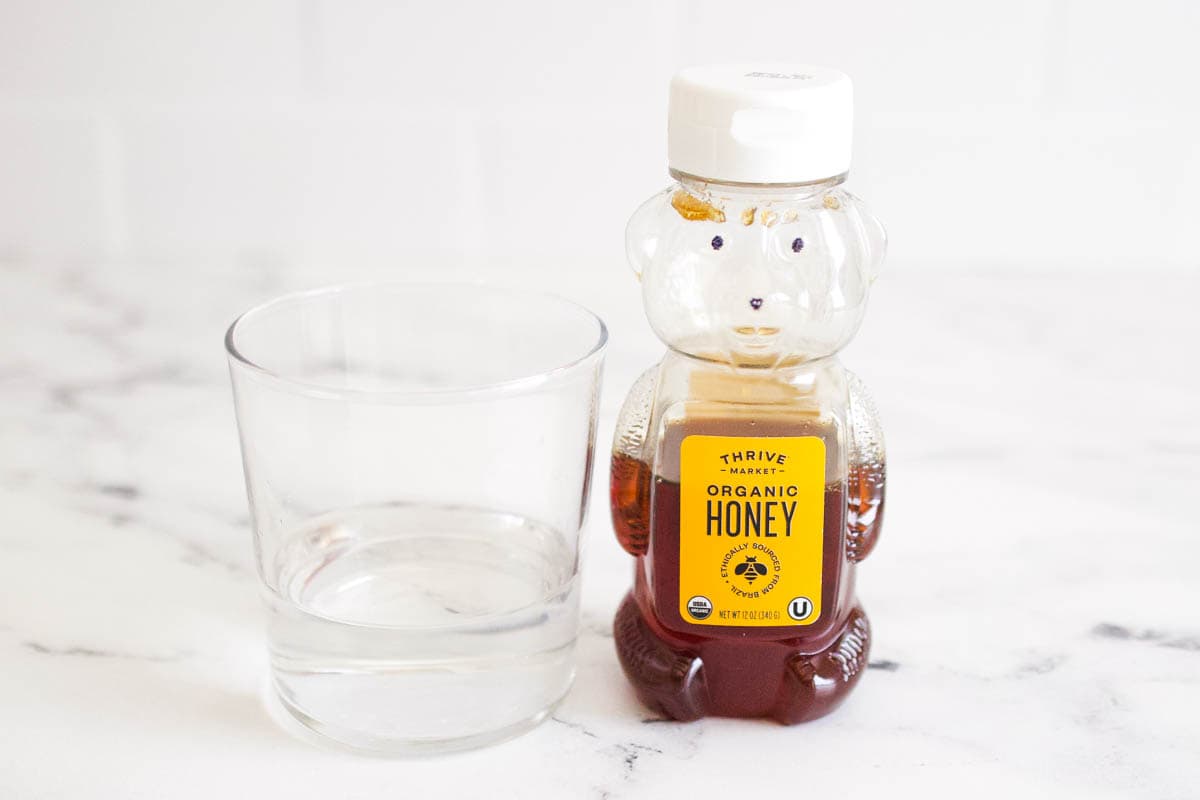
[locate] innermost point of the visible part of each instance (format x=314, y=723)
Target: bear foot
x=669, y=681
x=814, y=685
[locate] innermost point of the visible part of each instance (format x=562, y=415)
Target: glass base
x=408, y=629
x=323, y=733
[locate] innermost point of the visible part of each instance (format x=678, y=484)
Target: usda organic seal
x=699, y=607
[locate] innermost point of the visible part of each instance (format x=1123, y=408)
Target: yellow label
x=751, y=529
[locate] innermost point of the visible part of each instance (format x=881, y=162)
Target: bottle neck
x=784, y=367
x=772, y=191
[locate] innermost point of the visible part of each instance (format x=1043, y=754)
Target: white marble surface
x=1035, y=595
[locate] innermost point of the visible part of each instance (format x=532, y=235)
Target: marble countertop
x=1035, y=597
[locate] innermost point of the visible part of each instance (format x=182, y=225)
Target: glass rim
x=517, y=385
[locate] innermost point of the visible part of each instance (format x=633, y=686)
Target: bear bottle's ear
x=876, y=243
x=642, y=233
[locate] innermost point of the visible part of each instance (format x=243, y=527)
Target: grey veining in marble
x=1034, y=596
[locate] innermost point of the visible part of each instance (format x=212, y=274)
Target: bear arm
x=867, y=476
x=629, y=484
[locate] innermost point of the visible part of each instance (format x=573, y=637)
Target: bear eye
x=797, y=244
x=717, y=243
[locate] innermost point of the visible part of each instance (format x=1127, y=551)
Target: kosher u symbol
x=750, y=569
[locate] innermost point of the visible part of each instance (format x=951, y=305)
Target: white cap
x=760, y=123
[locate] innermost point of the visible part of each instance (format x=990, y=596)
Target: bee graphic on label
x=750, y=569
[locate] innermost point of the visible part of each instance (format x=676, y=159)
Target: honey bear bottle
x=748, y=464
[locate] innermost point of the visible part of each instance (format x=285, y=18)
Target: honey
x=748, y=470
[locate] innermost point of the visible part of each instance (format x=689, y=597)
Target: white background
x=352, y=135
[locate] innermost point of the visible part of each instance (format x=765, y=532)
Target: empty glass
x=417, y=462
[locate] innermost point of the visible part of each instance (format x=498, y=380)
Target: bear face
x=755, y=278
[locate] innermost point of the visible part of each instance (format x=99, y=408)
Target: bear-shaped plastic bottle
x=748, y=464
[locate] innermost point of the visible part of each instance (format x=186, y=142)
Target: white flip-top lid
x=760, y=123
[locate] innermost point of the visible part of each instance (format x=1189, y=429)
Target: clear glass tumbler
x=418, y=461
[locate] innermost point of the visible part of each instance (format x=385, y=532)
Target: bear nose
x=756, y=303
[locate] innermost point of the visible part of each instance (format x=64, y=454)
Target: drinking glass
x=417, y=462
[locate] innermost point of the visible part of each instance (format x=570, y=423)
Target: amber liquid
x=684, y=671
x=629, y=497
